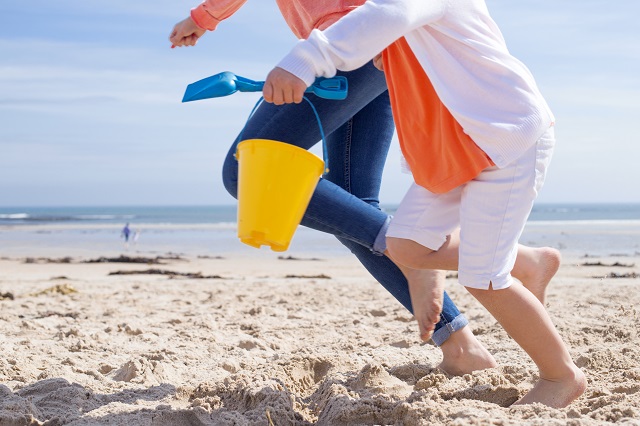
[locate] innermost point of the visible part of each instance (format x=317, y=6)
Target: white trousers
x=491, y=210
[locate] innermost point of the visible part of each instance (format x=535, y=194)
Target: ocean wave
x=104, y=217
x=26, y=217
x=14, y=216
x=155, y=227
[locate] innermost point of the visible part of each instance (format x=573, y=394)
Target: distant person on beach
x=478, y=137
x=359, y=131
x=125, y=233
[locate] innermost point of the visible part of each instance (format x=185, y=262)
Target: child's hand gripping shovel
x=227, y=83
x=275, y=179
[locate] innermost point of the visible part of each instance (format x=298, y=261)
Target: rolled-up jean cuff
x=442, y=334
x=380, y=244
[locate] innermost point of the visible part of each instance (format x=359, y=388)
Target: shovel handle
x=335, y=88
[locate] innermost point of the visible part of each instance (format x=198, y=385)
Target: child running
x=478, y=137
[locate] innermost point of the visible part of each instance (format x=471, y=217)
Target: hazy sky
x=91, y=112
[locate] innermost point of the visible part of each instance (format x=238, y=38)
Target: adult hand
x=282, y=87
x=185, y=33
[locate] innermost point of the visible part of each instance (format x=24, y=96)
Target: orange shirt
x=440, y=154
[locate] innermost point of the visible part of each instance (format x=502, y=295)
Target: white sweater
x=491, y=94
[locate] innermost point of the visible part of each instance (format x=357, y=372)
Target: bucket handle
x=325, y=154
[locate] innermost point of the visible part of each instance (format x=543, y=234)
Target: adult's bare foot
x=556, y=393
x=462, y=353
x=535, y=268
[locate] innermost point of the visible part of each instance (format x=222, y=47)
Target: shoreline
x=573, y=238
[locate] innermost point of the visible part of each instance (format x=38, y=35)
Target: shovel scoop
x=227, y=83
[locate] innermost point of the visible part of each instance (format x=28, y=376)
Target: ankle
x=462, y=353
x=571, y=373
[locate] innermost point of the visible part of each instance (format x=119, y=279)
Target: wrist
x=202, y=19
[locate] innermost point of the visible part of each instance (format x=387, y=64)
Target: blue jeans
x=345, y=203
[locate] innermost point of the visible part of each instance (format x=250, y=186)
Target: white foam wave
x=14, y=216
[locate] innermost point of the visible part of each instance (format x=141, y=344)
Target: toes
x=436, y=310
x=426, y=332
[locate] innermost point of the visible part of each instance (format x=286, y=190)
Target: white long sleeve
x=359, y=36
x=490, y=93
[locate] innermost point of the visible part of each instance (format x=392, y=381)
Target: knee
x=230, y=176
x=407, y=252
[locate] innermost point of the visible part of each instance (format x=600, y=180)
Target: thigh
x=425, y=217
x=494, y=210
x=358, y=150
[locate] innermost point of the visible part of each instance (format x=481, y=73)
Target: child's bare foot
x=426, y=287
x=462, y=353
x=535, y=269
x=557, y=393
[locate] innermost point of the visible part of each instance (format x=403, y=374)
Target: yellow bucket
x=275, y=183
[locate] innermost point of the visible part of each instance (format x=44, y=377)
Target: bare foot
x=462, y=353
x=426, y=287
x=557, y=393
x=535, y=267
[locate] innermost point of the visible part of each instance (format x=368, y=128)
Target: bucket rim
x=281, y=145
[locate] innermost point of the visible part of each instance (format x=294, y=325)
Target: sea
x=577, y=229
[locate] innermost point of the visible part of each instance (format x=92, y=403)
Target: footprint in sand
x=375, y=379
x=141, y=371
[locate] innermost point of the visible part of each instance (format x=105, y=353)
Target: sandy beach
x=248, y=337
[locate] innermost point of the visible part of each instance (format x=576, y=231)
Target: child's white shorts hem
x=498, y=282
x=491, y=210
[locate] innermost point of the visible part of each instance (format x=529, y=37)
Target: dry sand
x=268, y=341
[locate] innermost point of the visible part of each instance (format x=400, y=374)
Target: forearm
x=211, y=12
x=358, y=36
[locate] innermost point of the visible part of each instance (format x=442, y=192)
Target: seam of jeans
x=347, y=156
x=337, y=232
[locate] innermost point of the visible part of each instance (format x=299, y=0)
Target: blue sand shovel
x=227, y=83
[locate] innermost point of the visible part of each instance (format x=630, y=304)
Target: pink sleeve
x=210, y=12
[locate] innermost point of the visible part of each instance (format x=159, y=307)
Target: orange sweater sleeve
x=211, y=12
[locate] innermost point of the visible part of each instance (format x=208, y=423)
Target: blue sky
x=90, y=110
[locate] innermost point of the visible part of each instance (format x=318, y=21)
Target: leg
x=462, y=353
x=514, y=188
x=561, y=381
x=426, y=287
x=418, y=232
x=534, y=266
x=488, y=252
